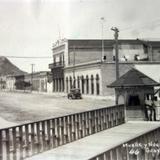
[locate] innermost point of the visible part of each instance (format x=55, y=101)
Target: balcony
x=56, y=65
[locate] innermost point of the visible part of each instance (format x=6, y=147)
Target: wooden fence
x=144, y=147
x=22, y=141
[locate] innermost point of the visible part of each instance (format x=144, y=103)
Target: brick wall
x=88, y=55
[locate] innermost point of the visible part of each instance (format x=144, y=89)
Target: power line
x=27, y=57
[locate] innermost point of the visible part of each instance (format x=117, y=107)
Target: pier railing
x=143, y=147
x=22, y=141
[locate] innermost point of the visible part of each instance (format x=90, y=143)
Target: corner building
x=83, y=64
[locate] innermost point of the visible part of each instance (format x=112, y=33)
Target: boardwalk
x=93, y=145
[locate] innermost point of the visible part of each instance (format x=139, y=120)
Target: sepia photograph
x=79, y=80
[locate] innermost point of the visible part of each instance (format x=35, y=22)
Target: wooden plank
x=1, y=146
x=32, y=139
x=53, y=134
x=21, y=142
x=7, y=144
x=73, y=128
x=62, y=130
x=48, y=135
x=43, y=135
x=58, y=131
x=69, y=131
x=38, y=145
x=26, y=141
x=14, y=143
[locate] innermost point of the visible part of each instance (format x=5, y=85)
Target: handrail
x=121, y=105
x=120, y=152
x=22, y=141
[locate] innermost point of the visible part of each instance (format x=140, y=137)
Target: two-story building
x=86, y=65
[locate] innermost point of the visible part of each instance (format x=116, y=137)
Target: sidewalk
x=62, y=94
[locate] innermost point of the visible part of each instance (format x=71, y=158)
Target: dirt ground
x=27, y=107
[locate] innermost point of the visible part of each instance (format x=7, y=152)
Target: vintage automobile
x=74, y=94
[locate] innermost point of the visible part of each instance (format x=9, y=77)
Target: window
x=92, y=84
x=97, y=84
x=70, y=79
x=87, y=85
x=134, y=100
x=78, y=82
x=67, y=84
x=82, y=84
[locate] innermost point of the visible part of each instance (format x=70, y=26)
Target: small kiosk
x=134, y=87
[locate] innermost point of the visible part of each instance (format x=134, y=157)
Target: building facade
x=37, y=81
x=84, y=64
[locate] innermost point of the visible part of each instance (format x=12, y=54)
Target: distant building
x=2, y=82
x=37, y=81
x=10, y=82
x=81, y=64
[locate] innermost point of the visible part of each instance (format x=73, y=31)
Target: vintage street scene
x=79, y=80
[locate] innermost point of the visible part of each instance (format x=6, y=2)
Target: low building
x=10, y=82
x=38, y=81
x=2, y=82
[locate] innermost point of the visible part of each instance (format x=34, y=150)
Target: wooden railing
x=25, y=140
x=144, y=147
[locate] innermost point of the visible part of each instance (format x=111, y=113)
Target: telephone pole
x=102, y=22
x=74, y=56
x=116, y=31
x=32, y=66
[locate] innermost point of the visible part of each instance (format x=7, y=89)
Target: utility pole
x=32, y=66
x=74, y=56
x=116, y=50
x=116, y=56
x=102, y=55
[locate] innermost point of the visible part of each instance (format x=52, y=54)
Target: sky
x=30, y=27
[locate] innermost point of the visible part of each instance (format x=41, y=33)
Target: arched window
x=74, y=82
x=97, y=84
x=82, y=79
x=87, y=84
x=78, y=82
x=60, y=87
x=70, y=79
x=56, y=85
x=62, y=84
x=67, y=84
x=92, y=84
